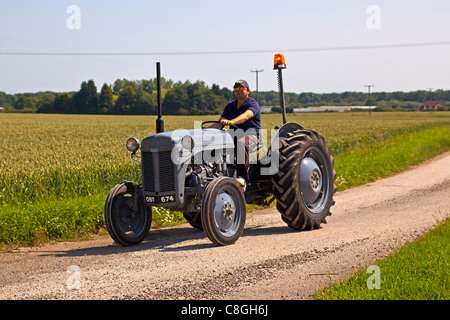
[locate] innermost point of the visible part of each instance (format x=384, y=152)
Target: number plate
x=160, y=199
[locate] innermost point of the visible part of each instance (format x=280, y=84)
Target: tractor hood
x=202, y=140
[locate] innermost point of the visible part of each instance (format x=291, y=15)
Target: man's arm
x=239, y=119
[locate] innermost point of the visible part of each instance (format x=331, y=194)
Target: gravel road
x=269, y=261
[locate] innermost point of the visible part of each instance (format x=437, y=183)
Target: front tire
x=305, y=183
x=127, y=225
x=223, y=211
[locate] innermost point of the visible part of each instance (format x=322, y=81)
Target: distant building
x=266, y=109
x=431, y=105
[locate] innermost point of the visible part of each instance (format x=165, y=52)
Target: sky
x=402, y=45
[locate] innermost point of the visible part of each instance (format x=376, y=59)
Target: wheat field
x=65, y=156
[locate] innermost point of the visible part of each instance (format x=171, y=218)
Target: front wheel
x=127, y=218
x=223, y=211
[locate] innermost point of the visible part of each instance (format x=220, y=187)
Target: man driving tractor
x=243, y=113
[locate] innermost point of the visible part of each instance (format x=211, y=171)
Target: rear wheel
x=194, y=219
x=127, y=218
x=304, y=185
x=223, y=211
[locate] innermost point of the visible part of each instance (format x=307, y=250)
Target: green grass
x=53, y=220
x=418, y=271
x=56, y=220
x=368, y=163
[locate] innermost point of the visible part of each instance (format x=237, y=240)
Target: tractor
x=194, y=171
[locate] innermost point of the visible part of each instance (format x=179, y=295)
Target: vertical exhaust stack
x=280, y=64
x=159, y=120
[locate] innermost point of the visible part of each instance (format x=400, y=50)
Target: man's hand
x=225, y=122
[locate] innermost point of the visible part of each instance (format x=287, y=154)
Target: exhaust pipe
x=159, y=120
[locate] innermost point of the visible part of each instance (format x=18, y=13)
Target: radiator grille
x=166, y=171
x=165, y=176
x=148, y=177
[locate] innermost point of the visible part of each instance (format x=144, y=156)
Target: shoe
x=242, y=183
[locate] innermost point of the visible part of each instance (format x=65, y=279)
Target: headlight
x=133, y=145
x=187, y=142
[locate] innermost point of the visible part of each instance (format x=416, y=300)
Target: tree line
x=126, y=97
x=139, y=97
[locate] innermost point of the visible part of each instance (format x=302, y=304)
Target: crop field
x=55, y=168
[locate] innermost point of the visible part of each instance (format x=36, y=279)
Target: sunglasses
x=240, y=88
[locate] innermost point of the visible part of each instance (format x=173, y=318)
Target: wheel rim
x=227, y=215
x=131, y=223
x=314, y=180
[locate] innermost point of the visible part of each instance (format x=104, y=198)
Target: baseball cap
x=242, y=83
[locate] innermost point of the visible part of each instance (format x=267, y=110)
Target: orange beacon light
x=279, y=62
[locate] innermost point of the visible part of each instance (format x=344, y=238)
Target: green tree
x=126, y=102
x=85, y=101
x=146, y=103
x=45, y=105
x=106, y=99
x=197, y=93
x=175, y=99
x=25, y=103
x=62, y=103
x=371, y=102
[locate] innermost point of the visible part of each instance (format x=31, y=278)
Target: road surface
x=269, y=261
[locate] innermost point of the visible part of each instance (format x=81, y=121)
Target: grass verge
x=56, y=220
x=41, y=222
x=418, y=271
x=366, y=164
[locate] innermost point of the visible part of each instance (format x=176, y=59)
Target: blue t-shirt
x=231, y=111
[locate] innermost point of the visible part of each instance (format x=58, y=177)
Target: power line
x=175, y=53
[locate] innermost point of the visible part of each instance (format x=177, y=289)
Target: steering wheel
x=205, y=122
x=221, y=125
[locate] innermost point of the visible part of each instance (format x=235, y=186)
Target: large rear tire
x=305, y=183
x=127, y=225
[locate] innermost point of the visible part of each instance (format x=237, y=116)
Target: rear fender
x=270, y=162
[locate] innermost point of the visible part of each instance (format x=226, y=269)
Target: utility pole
x=429, y=97
x=369, y=86
x=257, y=71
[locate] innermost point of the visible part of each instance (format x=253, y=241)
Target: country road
x=270, y=260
